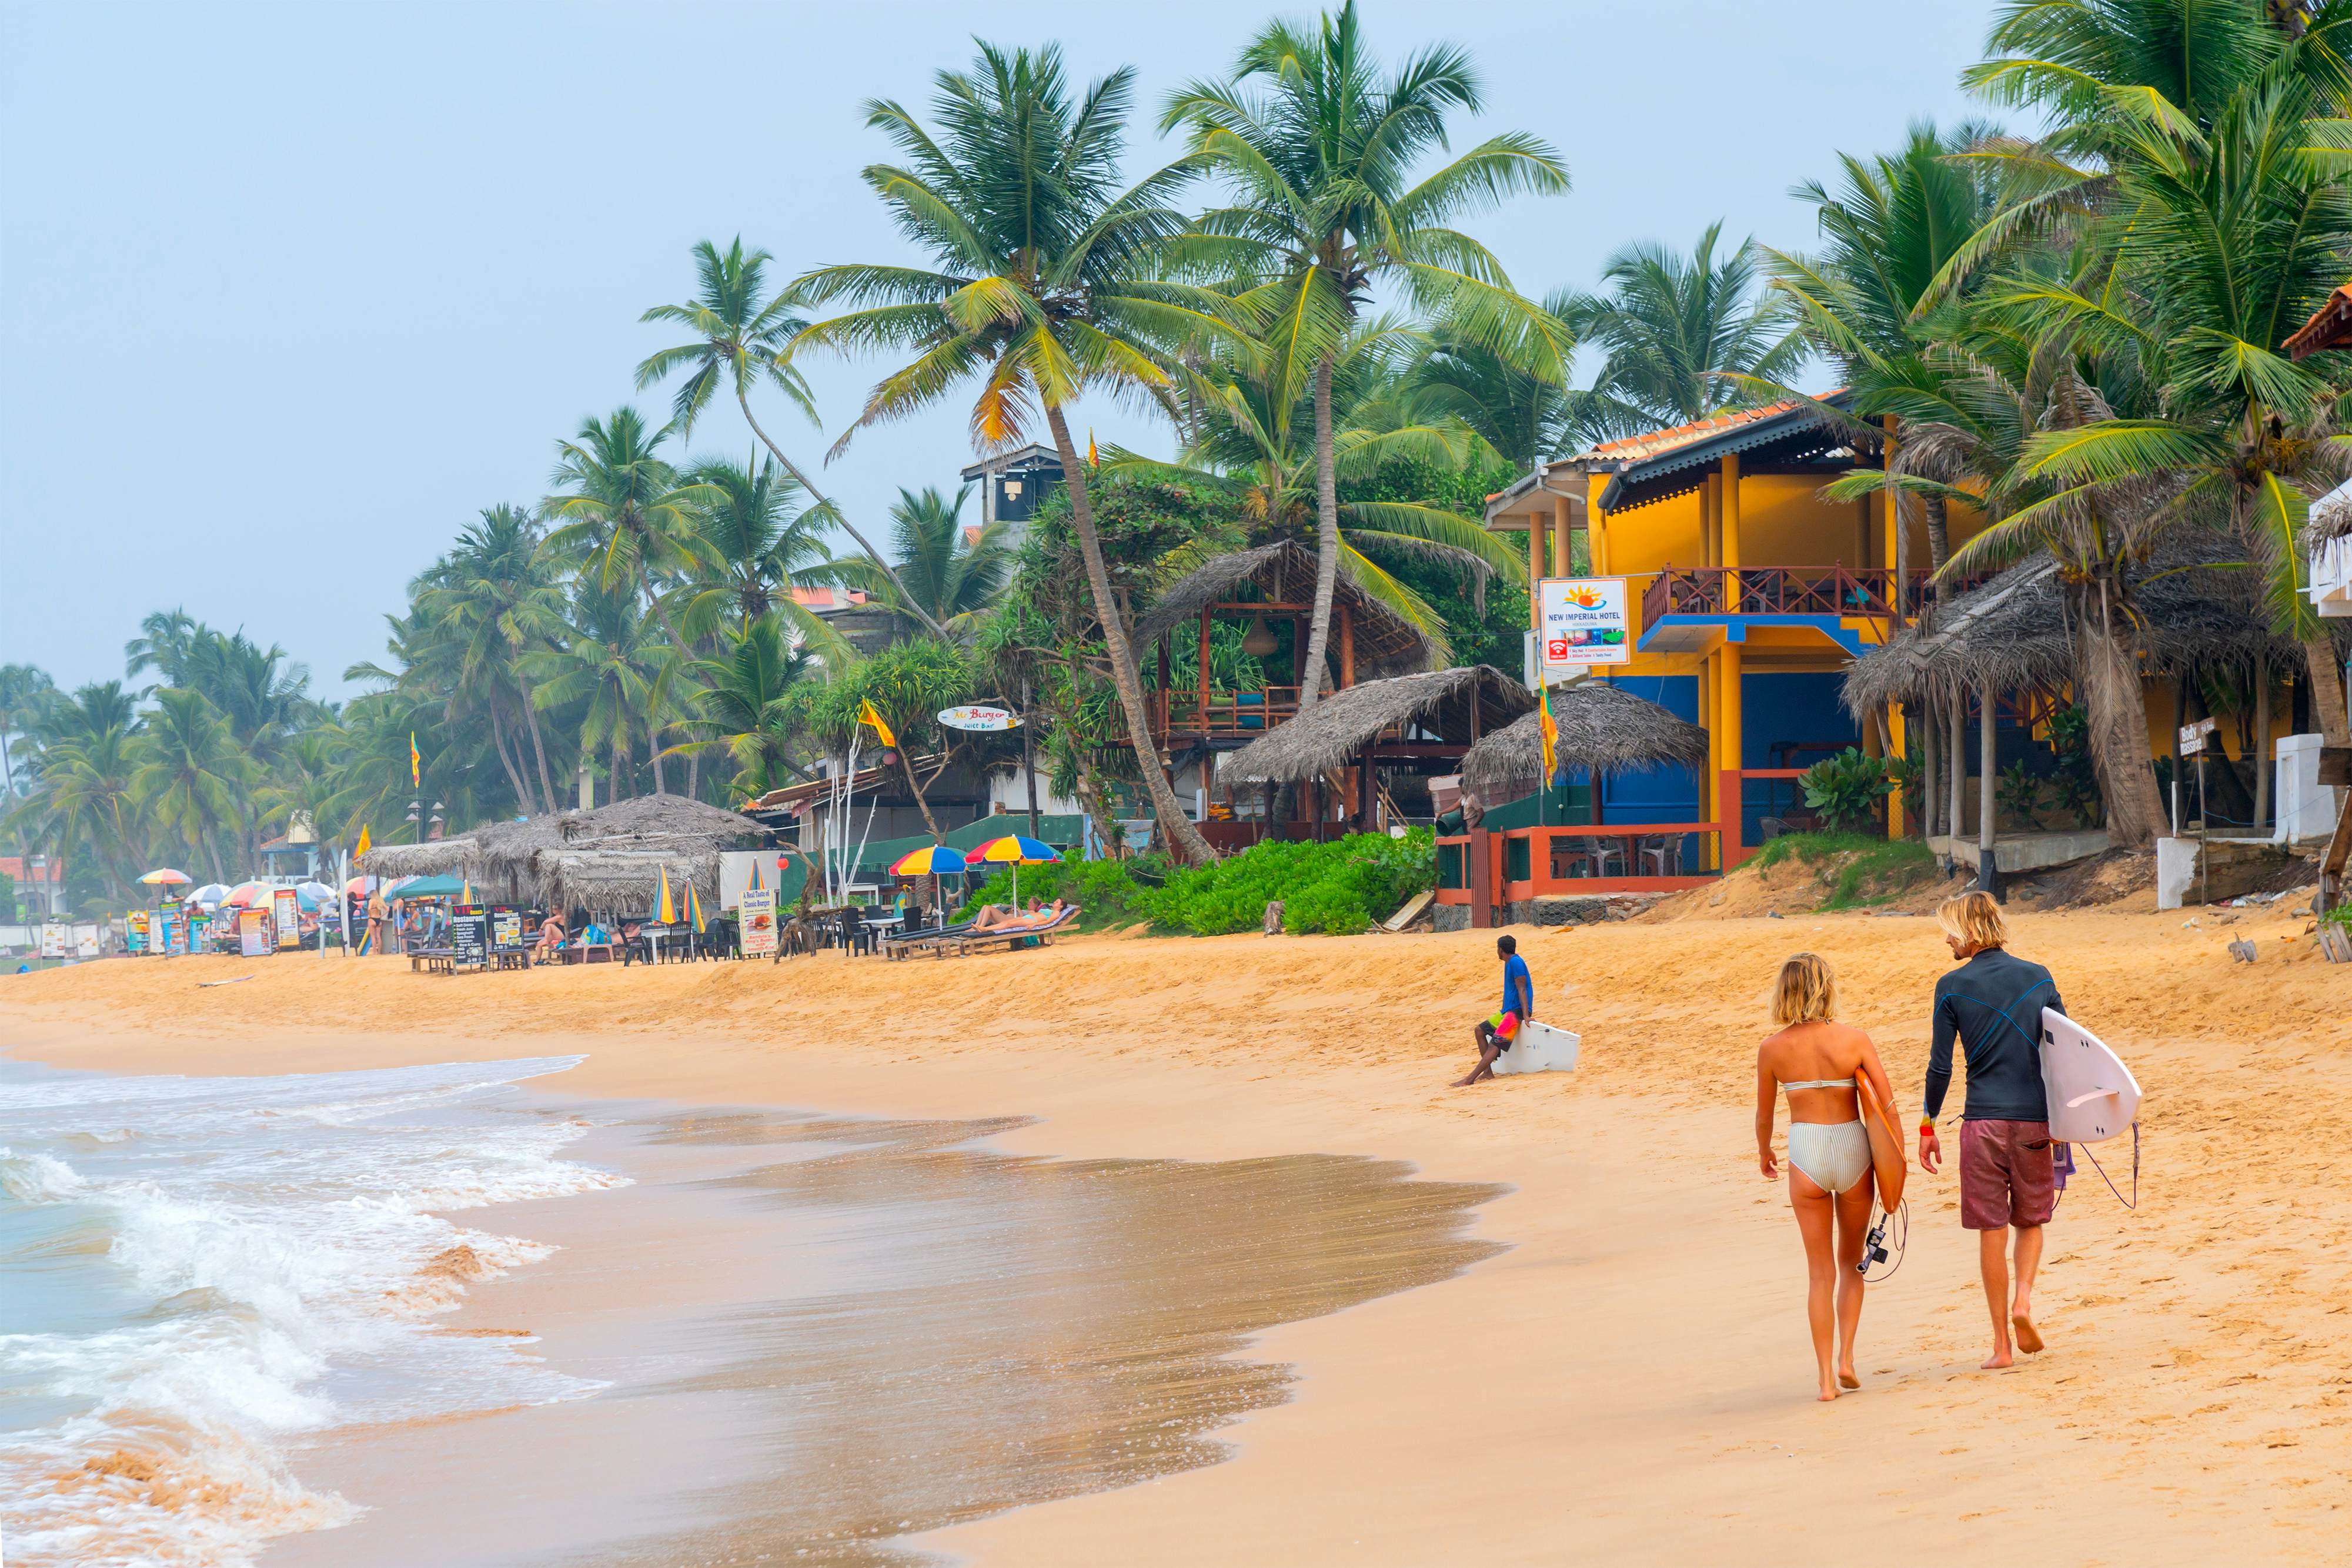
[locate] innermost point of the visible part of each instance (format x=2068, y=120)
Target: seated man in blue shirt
x=1494, y=1035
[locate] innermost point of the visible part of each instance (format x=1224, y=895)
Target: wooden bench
x=433, y=960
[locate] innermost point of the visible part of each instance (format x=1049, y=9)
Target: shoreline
x=1630, y=1379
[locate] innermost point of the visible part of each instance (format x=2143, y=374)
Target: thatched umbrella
x=1602, y=730
x=1437, y=704
x=439, y=857
x=621, y=880
x=2014, y=633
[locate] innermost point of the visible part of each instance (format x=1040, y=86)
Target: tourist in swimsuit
x=1992, y=1006
x=1816, y=1060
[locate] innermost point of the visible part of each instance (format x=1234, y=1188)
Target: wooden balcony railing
x=1785, y=590
x=1244, y=714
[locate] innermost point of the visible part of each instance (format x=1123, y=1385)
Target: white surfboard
x=2092, y=1096
x=1540, y=1047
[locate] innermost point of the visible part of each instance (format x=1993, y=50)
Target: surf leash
x=1875, y=1244
x=2132, y=1202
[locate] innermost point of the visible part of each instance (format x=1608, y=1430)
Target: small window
x=1515, y=860
x=1449, y=866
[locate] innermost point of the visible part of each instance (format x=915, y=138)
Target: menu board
x=53, y=941
x=506, y=929
x=254, y=934
x=289, y=910
x=171, y=927
x=758, y=910
x=200, y=930
x=469, y=935
x=134, y=932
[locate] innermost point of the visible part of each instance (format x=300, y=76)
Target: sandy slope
x=1631, y=1383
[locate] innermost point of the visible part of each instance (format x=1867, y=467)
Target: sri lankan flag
x=415, y=777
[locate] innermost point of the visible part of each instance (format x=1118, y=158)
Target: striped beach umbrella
x=667, y=912
x=1015, y=850
x=165, y=876
x=931, y=860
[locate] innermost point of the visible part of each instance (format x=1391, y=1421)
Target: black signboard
x=506, y=929
x=469, y=935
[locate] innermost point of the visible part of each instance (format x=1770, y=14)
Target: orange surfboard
x=1889, y=1165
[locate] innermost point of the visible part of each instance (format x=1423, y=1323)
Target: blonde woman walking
x=1816, y=1060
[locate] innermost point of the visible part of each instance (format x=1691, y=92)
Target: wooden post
x=1710, y=522
x=1535, y=572
x=1898, y=538
x=1205, y=682
x=1368, y=794
x=1482, y=878
x=1931, y=782
x=1347, y=646
x=1734, y=754
x=1731, y=533
x=1957, y=761
x=1988, y=768
x=1596, y=526
x=1563, y=557
x=1898, y=817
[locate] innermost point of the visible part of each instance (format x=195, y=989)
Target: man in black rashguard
x=1992, y=1005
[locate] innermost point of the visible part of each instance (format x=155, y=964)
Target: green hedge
x=1343, y=886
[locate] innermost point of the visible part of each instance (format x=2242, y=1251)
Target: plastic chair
x=1602, y=853
x=1663, y=851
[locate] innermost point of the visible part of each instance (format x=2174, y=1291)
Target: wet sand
x=1630, y=1381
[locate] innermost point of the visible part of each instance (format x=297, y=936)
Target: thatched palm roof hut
x=2013, y=633
x=1602, y=730
x=1437, y=709
x=2331, y=515
x=1283, y=573
x=599, y=858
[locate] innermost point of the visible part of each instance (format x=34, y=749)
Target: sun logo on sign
x=1584, y=597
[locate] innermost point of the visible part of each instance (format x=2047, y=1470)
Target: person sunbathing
x=1006, y=917
x=1040, y=916
x=551, y=940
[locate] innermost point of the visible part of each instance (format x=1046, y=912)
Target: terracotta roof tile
x=1653, y=443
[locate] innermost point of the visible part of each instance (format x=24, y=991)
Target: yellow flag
x=416, y=780
x=366, y=842
x=1094, y=454
x=1550, y=735
x=866, y=716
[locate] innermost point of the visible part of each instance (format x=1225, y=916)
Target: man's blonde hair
x=1806, y=990
x=1974, y=918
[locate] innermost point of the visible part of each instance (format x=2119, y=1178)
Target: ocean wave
x=274, y=1253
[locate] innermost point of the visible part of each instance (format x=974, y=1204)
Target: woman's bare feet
x=2028, y=1338
x=1829, y=1390
x=1997, y=1360
x=1846, y=1379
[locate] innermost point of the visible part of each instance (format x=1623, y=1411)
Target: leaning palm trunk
x=2108, y=673
x=2327, y=709
x=538, y=742
x=1183, y=836
x=792, y=468
x=1327, y=540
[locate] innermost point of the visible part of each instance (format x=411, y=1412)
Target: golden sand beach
x=1629, y=1381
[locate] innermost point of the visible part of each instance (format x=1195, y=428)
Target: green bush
x=1846, y=788
x=1343, y=886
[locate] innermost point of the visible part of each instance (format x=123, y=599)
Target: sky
x=288, y=292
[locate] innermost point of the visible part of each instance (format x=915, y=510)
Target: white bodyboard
x=1540, y=1047
x=2092, y=1096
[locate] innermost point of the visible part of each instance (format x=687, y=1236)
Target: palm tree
x=1320, y=161
x=80, y=800
x=755, y=547
x=1040, y=288
x=500, y=594
x=740, y=338
x=1683, y=336
x=954, y=579
x=610, y=663
x=1521, y=416
x=2220, y=214
x=742, y=708
x=1263, y=454
x=23, y=689
x=1894, y=229
x=190, y=773
x=164, y=644
x=621, y=505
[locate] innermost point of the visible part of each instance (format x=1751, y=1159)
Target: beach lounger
x=900, y=943
x=979, y=940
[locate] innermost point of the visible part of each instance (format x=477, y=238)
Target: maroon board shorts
x=2006, y=1176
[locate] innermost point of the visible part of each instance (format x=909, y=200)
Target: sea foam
x=198, y=1272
